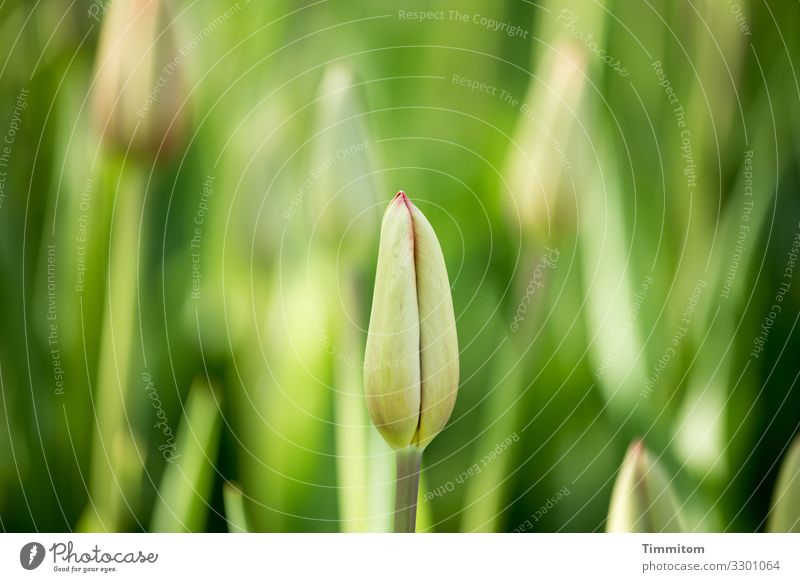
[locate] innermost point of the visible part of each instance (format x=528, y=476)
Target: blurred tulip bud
x=343, y=186
x=785, y=514
x=138, y=89
x=539, y=166
x=642, y=499
x=411, y=359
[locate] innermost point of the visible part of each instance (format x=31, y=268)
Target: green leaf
x=234, y=508
x=184, y=494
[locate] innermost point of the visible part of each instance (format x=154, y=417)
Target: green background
x=256, y=371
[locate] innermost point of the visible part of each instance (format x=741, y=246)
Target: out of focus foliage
x=185, y=278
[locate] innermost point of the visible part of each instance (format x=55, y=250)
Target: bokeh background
x=190, y=204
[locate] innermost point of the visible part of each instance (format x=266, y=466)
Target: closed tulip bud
x=642, y=499
x=785, y=513
x=539, y=165
x=411, y=360
x=338, y=202
x=139, y=89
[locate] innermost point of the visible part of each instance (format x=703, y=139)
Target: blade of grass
x=111, y=495
x=339, y=204
x=183, y=498
x=234, y=508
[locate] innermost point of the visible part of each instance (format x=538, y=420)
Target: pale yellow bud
x=643, y=499
x=411, y=360
x=785, y=513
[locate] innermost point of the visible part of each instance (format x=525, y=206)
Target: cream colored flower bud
x=643, y=499
x=785, y=513
x=411, y=360
x=138, y=91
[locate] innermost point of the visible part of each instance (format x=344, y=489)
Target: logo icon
x=31, y=555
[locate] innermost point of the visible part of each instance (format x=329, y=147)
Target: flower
x=411, y=359
x=139, y=91
x=643, y=499
x=785, y=513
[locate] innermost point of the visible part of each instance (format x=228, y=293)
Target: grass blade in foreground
x=345, y=228
x=184, y=495
x=235, y=513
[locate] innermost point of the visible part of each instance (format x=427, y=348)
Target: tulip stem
x=405, y=507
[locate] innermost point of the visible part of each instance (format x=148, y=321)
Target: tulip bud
x=539, y=166
x=337, y=202
x=138, y=90
x=411, y=359
x=642, y=499
x=785, y=513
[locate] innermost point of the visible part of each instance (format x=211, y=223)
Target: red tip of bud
x=637, y=447
x=401, y=197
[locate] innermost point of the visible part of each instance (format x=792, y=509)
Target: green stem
x=115, y=465
x=405, y=506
